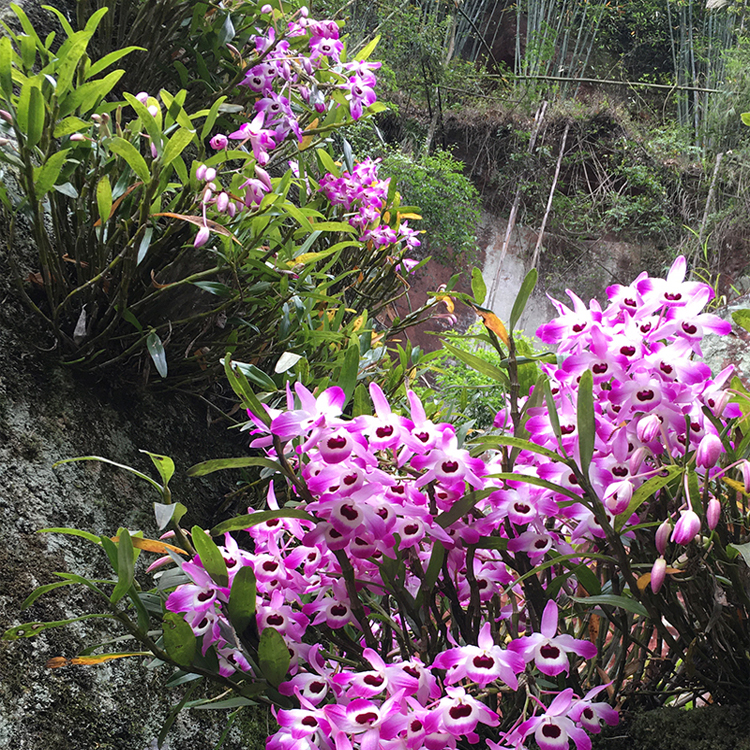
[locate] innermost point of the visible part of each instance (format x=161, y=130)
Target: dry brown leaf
x=152, y=545
x=61, y=661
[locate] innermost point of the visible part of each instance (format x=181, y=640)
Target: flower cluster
x=362, y=194
x=392, y=499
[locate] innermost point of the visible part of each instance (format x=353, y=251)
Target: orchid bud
x=219, y=142
x=202, y=237
x=709, y=450
x=263, y=177
x=210, y=174
x=639, y=454
x=4, y=141
x=662, y=535
x=5, y=115
x=153, y=110
x=222, y=201
x=304, y=12
x=648, y=428
x=712, y=513
x=154, y=152
x=686, y=528
x=200, y=173
x=77, y=137
x=232, y=209
x=658, y=571
x=266, y=9
x=618, y=496
x=142, y=97
x=721, y=402
x=207, y=195
x=746, y=475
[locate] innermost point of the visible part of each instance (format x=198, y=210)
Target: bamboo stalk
x=551, y=195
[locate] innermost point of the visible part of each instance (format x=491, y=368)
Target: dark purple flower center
x=551, y=730
x=366, y=718
x=337, y=443
x=450, y=467
x=461, y=711
x=275, y=620
x=374, y=680
x=310, y=721
x=628, y=351
x=484, y=662
x=349, y=512
x=645, y=395
x=384, y=432
x=339, y=610
x=548, y=651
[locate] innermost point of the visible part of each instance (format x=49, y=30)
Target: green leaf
x=207, y=704
x=31, y=629
x=88, y=96
x=431, y=574
x=214, y=287
x=36, y=593
x=128, y=151
x=349, y=370
x=647, y=490
x=211, y=557
x=554, y=419
x=611, y=600
x=478, y=287
x=111, y=463
x=586, y=420
x=524, y=445
x=72, y=532
x=30, y=112
x=70, y=125
x=179, y=639
x=286, y=361
x=165, y=512
x=102, y=64
x=176, y=145
x=219, y=464
x=477, y=363
x=242, y=388
x=587, y=578
x=46, y=175
x=69, y=55
x=273, y=656
x=253, y=519
x=537, y=482
x=147, y=120
x=104, y=199
x=744, y=550
x=745, y=117
x=143, y=249
x=364, y=54
x=460, y=508
x=742, y=317
x=241, y=607
x=226, y=32
x=326, y=162
x=125, y=565
x=213, y=113
x=6, y=68
x=158, y=355
x=527, y=287
x=256, y=375
x=362, y=403
x=164, y=465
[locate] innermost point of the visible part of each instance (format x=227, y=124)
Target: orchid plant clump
x=122, y=194
x=412, y=585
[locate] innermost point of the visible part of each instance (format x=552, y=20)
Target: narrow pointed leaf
x=211, y=557
x=241, y=607
x=527, y=287
x=645, y=492
x=586, y=420
x=252, y=519
x=125, y=564
x=158, y=355
x=273, y=656
x=179, y=639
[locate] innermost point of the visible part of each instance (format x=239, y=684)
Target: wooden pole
x=551, y=195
